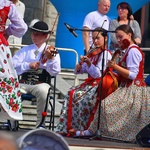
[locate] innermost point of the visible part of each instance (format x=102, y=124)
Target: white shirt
x=96, y=71
x=26, y=55
x=96, y=19
x=20, y=8
x=133, y=61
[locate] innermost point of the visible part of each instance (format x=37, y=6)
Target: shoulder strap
x=134, y=46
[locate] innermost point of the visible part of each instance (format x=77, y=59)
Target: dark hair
x=125, y=5
x=127, y=29
x=103, y=32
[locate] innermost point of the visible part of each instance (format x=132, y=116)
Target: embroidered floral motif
x=8, y=55
x=6, y=86
x=2, y=70
x=5, y=61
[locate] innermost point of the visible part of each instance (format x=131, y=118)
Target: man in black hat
x=37, y=56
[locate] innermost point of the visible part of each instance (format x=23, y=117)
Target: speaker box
x=143, y=137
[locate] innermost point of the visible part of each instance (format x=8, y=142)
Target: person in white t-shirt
x=13, y=39
x=93, y=20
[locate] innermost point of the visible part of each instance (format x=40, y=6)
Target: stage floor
x=88, y=144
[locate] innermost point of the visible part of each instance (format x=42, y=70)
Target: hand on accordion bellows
x=34, y=65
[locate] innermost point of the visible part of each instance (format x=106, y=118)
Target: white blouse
x=17, y=27
x=28, y=54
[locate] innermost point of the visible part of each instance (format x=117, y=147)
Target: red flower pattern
x=17, y=84
x=18, y=94
x=5, y=61
x=9, y=89
x=2, y=70
x=15, y=107
x=86, y=111
x=8, y=55
x=61, y=119
x=12, y=80
x=3, y=84
x=11, y=101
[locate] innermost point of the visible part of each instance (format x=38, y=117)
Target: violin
x=92, y=52
x=53, y=50
x=111, y=79
x=44, y=58
x=125, y=44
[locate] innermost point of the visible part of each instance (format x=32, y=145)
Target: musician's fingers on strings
x=81, y=59
x=78, y=67
x=85, y=59
x=110, y=63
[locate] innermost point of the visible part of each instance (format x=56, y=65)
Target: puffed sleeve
x=17, y=27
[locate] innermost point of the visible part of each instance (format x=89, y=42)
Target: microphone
x=70, y=29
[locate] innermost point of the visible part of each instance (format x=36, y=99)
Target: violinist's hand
x=34, y=65
x=49, y=52
x=111, y=64
x=86, y=60
x=78, y=67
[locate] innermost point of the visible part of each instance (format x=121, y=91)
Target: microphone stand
x=72, y=29
x=98, y=132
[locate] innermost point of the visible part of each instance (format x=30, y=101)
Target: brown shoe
x=72, y=132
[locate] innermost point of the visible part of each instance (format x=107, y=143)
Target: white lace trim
x=4, y=3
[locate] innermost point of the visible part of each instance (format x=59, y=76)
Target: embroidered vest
x=3, y=17
x=139, y=80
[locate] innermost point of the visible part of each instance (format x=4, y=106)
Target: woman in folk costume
x=127, y=110
x=10, y=102
x=81, y=101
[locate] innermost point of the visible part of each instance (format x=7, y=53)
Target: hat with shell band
x=39, y=26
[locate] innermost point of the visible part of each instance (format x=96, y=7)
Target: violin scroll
x=125, y=44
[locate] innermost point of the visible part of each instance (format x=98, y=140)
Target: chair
x=41, y=76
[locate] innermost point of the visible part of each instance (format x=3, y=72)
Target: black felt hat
x=40, y=26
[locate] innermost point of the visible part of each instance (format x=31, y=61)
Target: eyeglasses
x=122, y=9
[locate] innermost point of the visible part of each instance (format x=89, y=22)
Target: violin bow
x=51, y=32
x=53, y=27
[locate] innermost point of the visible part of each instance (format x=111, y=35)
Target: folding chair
x=41, y=76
